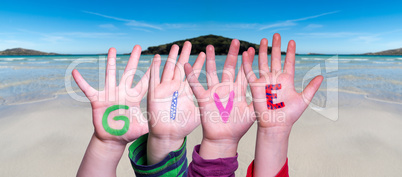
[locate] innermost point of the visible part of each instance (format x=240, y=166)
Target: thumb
x=310, y=90
x=195, y=85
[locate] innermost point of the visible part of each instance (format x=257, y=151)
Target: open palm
x=294, y=103
x=160, y=95
x=116, y=109
x=215, y=127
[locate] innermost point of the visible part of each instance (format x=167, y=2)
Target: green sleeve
x=174, y=164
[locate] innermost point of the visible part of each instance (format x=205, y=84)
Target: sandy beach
x=49, y=139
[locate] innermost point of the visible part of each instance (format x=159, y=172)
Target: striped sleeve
x=174, y=164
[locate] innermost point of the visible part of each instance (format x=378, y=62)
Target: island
x=199, y=44
x=21, y=51
x=315, y=54
x=387, y=52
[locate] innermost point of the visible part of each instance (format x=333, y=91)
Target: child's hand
x=271, y=113
x=226, y=116
x=116, y=116
x=277, y=105
x=172, y=113
x=131, y=124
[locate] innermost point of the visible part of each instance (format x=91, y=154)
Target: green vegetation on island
x=387, y=52
x=21, y=51
x=199, y=44
x=315, y=54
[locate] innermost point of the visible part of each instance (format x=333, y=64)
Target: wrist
x=271, y=150
x=274, y=133
x=113, y=144
x=159, y=147
x=103, y=155
x=106, y=147
x=214, y=149
x=169, y=142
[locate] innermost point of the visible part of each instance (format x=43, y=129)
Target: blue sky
x=82, y=27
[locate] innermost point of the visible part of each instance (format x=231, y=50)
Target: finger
x=250, y=76
x=276, y=53
x=199, y=62
x=229, y=67
x=263, y=58
x=251, y=56
x=241, y=83
x=241, y=80
x=170, y=64
x=129, y=72
x=289, y=66
x=197, y=66
x=154, y=79
x=251, y=53
x=83, y=85
x=241, y=77
x=195, y=85
x=110, y=85
x=142, y=86
x=184, y=56
x=311, y=89
x=212, y=77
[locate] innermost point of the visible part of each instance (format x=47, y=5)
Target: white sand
x=49, y=139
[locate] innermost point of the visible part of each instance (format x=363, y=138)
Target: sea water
x=25, y=79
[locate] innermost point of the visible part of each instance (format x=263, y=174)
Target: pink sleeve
x=222, y=167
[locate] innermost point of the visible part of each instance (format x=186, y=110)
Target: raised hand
x=171, y=110
x=116, y=115
x=269, y=111
x=225, y=114
x=277, y=105
x=133, y=124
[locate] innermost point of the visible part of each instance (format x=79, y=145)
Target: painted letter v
x=224, y=112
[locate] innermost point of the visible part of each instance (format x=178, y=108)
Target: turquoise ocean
x=26, y=79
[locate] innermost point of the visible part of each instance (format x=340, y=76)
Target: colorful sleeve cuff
x=216, y=167
x=174, y=164
x=284, y=172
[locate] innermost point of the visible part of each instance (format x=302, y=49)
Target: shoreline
x=78, y=91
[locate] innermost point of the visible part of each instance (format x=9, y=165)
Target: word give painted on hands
x=224, y=112
x=270, y=96
x=112, y=131
x=173, y=106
